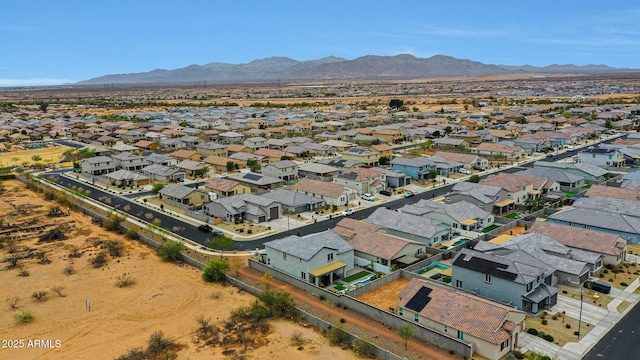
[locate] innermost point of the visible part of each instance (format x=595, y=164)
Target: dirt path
x=356, y=323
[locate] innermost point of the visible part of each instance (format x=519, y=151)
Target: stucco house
x=244, y=207
x=362, y=180
x=178, y=194
x=98, y=165
x=333, y=194
x=286, y=170
x=319, y=258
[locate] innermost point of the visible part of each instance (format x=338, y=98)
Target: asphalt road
x=621, y=342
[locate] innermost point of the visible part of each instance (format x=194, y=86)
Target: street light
x=580, y=317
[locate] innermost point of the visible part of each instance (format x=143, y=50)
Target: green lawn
x=586, y=186
x=569, y=193
x=513, y=215
x=355, y=277
x=490, y=228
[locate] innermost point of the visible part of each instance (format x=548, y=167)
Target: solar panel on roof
x=419, y=300
x=252, y=177
x=357, y=151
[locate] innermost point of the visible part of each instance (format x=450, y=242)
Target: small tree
x=474, y=178
x=279, y=303
x=396, y=103
x=406, y=331
x=231, y=166
x=383, y=160
x=221, y=244
x=237, y=264
x=171, y=250
x=216, y=270
x=156, y=188
x=266, y=279
x=254, y=165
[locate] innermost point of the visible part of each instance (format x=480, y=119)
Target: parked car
x=479, y=168
x=223, y=176
x=347, y=212
x=465, y=171
x=598, y=286
x=409, y=194
x=367, y=197
x=549, y=155
x=218, y=233
x=386, y=192
x=205, y=228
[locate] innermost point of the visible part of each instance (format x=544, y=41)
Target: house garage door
x=273, y=213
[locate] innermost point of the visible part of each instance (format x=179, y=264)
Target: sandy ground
x=165, y=296
x=48, y=155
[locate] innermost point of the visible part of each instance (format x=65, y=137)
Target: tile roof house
x=244, y=207
x=525, y=283
x=184, y=154
x=163, y=173
x=427, y=231
x=486, y=197
x=294, y=202
x=286, y=170
x=373, y=245
x=601, y=157
x=521, y=188
x=183, y=196
x=362, y=180
x=511, y=152
x=612, y=192
x=460, y=216
x=492, y=328
x=128, y=161
x=226, y=187
x=212, y=148
x=98, y=165
x=588, y=171
x=193, y=169
x=319, y=258
x=612, y=247
x=469, y=160
x=257, y=181
x=127, y=178
x=317, y=171
x=333, y=194
x=567, y=181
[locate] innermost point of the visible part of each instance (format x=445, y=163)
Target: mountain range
x=370, y=67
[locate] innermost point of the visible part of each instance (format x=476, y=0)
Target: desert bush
x=624, y=284
x=342, y=320
x=132, y=234
x=24, y=273
x=548, y=337
x=216, y=270
x=171, y=251
x=204, y=325
x=13, y=302
x=75, y=252
x=23, y=317
x=115, y=247
x=124, y=280
x=518, y=355
x=568, y=326
x=362, y=348
x=42, y=258
x=99, y=260
x=114, y=222
x=279, y=303
x=337, y=336
x=159, y=345
x=59, y=290
x=533, y=331
x=39, y=296
x=69, y=270
x=544, y=322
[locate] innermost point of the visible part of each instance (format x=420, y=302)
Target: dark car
x=385, y=192
x=479, y=168
x=218, y=233
x=598, y=286
x=205, y=228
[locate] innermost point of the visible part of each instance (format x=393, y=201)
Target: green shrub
x=568, y=326
x=216, y=270
x=23, y=317
x=548, y=337
x=576, y=333
x=555, y=317
x=518, y=354
x=337, y=336
x=544, y=321
x=533, y=331
x=342, y=321
x=624, y=284
x=171, y=251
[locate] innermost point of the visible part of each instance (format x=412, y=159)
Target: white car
x=465, y=171
x=367, y=197
x=223, y=176
x=347, y=212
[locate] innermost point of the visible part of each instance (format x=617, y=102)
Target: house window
x=504, y=345
x=416, y=317
x=284, y=256
x=540, y=278
x=460, y=335
x=529, y=286
x=487, y=278
x=303, y=275
x=446, y=328
x=400, y=311
x=455, y=225
x=458, y=283
x=329, y=257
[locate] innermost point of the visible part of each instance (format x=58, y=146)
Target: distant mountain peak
x=400, y=66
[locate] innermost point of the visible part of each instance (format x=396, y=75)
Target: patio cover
x=327, y=268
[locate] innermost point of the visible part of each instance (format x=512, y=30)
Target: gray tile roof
x=406, y=223
x=292, y=198
x=600, y=219
x=176, y=191
x=306, y=247
x=459, y=211
x=612, y=205
x=554, y=175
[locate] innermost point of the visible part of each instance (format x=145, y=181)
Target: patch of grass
x=513, y=215
x=23, y=317
x=355, y=277
x=490, y=228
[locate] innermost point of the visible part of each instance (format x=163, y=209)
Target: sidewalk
x=603, y=324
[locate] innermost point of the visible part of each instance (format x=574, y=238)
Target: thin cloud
x=33, y=82
x=459, y=32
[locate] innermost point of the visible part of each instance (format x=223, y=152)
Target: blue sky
x=52, y=42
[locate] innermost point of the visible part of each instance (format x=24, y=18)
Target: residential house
x=333, y=194
x=148, y=145
x=191, y=141
x=127, y=178
x=231, y=137
x=486, y=197
x=341, y=163
x=612, y=247
x=286, y=170
x=212, y=148
x=367, y=157
x=226, y=187
x=601, y=157
x=567, y=181
x=272, y=155
x=389, y=135
x=319, y=258
x=521, y=188
x=613, y=192
x=258, y=181
x=170, y=144
x=383, y=150
x=163, y=173
x=526, y=283
x=132, y=136
x=193, y=169
x=317, y=171
x=499, y=149
x=183, y=196
x=294, y=202
x=184, y=154
x=248, y=207
x=161, y=159
x=238, y=148
x=460, y=216
x=448, y=143
x=373, y=246
x=362, y=180
x=469, y=160
x=416, y=168
x=128, y=161
x=427, y=231
x=98, y=165
x=394, y=179
x=256, y=143
x=493, y=329
x=590, y=172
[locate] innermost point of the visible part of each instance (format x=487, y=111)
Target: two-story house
x=601, y=157
x=365, y=156
x=460, y=216
x=333, y=194
x=319, y=258
x=98, y=165
x=362, y=180
x=408, y=226
x=524, y=283
x=286, y=170
x=128, y=161
x=212, y=148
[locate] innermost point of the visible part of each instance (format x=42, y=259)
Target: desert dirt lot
x=48, y=155
x=164, y=296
